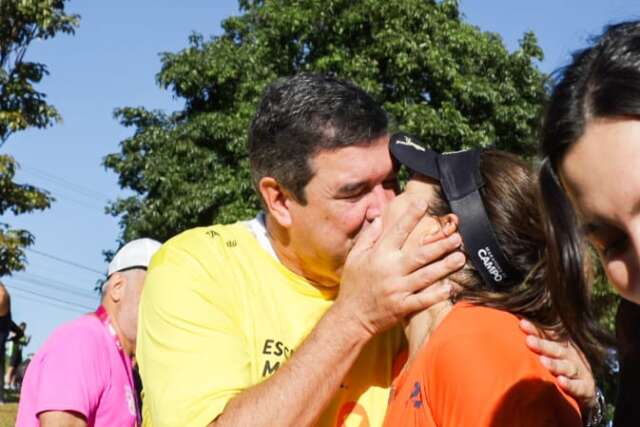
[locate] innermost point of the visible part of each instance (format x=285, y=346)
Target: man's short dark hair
x=302, y=115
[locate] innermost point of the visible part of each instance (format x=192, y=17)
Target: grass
x=8, y=413
x=9, y=410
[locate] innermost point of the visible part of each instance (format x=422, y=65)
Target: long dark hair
x=510, y=198
x=602, y=81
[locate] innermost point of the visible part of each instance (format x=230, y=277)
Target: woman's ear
x=449, y=224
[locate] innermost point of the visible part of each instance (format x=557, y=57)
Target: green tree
x=438, y=76
x=23, y=107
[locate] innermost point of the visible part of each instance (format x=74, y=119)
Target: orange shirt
x=476, y=370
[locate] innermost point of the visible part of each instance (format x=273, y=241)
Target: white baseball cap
x=135, y=254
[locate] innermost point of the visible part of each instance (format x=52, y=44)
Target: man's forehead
x=375, y=153
x=353, y=165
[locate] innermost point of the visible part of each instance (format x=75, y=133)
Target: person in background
x=7, y=325
x=590, y=185
x=18, y=342
x=82, y=375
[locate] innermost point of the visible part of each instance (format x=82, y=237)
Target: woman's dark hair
x=602, y=81
x=510, y=198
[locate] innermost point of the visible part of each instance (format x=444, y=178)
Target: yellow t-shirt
x=219, y=314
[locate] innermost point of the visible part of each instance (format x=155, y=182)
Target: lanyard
x=101, y=313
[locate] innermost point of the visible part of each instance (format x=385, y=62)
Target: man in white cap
x=82, y=375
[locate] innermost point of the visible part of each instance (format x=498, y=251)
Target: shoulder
x=207, y=236
x=85, y=332
x=492, y=336
x=85, y=325
x=200, y=245
x=196, y=268
x=478, y=366
x=478, y=324
x=79, y=344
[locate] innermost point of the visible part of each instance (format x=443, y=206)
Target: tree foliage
x=436, y=75
x=21, y=107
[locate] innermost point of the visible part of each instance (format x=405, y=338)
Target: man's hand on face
x=388, y=276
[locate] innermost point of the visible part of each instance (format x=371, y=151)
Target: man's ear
x=277, y=199
x=117, y=285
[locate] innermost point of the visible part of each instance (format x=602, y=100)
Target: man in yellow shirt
x=289, y=319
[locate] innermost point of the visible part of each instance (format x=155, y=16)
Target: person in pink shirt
x=82, y=375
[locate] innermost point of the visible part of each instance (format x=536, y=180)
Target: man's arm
x=381, y=284
x=61, y=419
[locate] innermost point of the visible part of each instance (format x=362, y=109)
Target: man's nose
x=380, y=197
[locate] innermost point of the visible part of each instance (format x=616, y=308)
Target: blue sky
x=111, y=62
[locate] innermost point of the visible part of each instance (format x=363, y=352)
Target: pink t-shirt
x=79, y=369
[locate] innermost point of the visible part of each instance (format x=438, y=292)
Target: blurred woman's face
x=421, y=188
x=601, y=173
x=424, y=186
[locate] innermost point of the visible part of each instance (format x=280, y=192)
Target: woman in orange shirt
x=468, y=364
